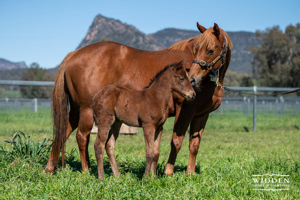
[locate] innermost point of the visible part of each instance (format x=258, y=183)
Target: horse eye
x=181, y=78
x=210, y=52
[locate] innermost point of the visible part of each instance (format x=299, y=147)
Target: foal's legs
x=149, y=132
x=83, y=135
x=110, y=146
x=156, y=149
x=104, y=125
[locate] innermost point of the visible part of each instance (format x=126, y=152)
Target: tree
x=236, y=79
x=276, y=62
x=35, y=73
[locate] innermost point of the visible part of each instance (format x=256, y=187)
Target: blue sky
x=44, y=31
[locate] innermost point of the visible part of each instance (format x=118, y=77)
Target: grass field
x=230, y=154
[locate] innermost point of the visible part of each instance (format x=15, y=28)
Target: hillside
x=104, y=28
x=11, y=70
x=7, y=65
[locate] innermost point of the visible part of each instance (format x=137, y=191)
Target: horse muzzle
x=195, y=82
x=191, y=96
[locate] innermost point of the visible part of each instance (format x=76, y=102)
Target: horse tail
x=60, y=111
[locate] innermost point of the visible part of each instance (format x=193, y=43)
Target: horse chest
x=208, y=99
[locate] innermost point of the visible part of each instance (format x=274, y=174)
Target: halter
x=209, y=66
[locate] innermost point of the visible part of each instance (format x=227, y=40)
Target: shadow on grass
x=136, y=167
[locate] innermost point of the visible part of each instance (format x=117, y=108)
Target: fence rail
x=26, y=83
x=251, y=99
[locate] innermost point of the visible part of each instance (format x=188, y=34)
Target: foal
x=147, y=108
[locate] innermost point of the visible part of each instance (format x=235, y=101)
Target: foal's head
x=180, y=82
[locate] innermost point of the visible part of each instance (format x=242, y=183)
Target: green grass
x=230, y=153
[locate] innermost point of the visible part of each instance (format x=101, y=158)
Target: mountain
x=11, y=70
x=241, y=56
x=5, y=65
x=12, y=74
x=169, y=36
x=104, y=28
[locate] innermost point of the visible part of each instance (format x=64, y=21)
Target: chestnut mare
x=87, y=70
x=147, y=108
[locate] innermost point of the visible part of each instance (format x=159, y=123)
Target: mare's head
x=212, y=50
x=180, y=82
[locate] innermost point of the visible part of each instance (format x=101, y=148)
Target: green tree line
x=276, y=63
x=36, y=73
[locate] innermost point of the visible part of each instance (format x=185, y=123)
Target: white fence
x=251, y=102
x=23, y=105
x=282, y=105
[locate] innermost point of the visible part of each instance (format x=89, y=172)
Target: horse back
x=95, y=66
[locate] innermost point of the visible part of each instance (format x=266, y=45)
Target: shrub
x=24, y=147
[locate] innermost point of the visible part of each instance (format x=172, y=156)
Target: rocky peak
x=104, y=28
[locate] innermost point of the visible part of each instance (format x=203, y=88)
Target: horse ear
x=178, y=65
x=201, y=28
x=216, y=30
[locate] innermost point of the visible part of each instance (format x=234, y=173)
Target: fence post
x=254, y=107
x=6, y=105
x=245, y=105
x=16, y=105
x=249, y=106
x=35, y=105
x=281, y=99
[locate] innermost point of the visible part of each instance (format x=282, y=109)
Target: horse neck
x=224, y=68
x=161, y=88
x=184, y=47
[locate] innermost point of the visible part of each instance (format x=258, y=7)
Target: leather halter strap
x=209, y=66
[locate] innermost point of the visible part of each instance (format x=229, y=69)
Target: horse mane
x=200, y=41
x=160, y=73
x=181, y=45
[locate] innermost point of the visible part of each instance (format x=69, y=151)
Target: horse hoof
x=169, y=170
x=168, y=173
x=49, y=170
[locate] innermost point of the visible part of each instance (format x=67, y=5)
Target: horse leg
x=110, y=147
x=156, y=148
x=73, y=121
x=99, y=146
x=149, y=132
x=72, y=125
x=196, y=130
x=182, y=120
x=83, y=136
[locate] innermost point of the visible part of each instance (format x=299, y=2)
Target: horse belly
x=126, y=110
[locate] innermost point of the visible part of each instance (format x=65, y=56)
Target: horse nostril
x=193, y=81
x=194, y=96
